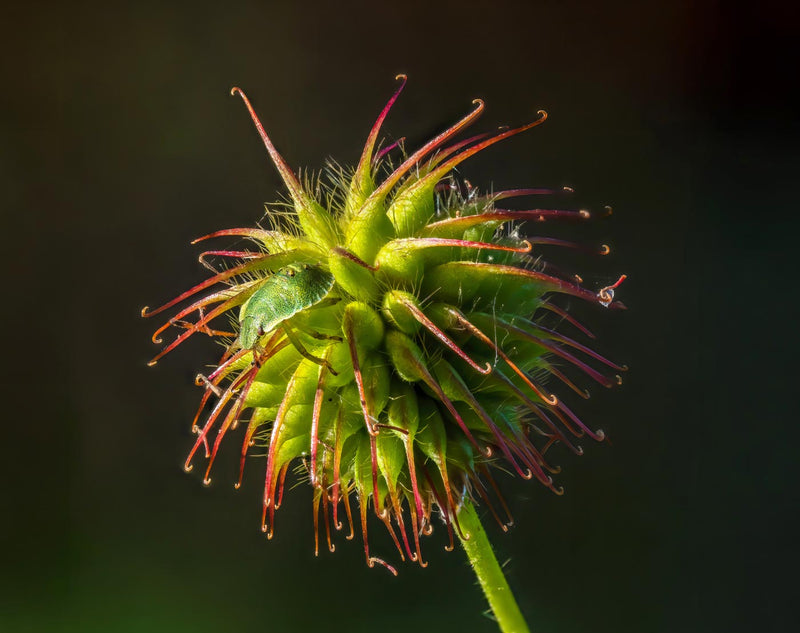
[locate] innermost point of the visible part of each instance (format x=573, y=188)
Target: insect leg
x=303, y=351
x=317, y=335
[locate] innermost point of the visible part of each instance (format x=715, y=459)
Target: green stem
x=481, y=557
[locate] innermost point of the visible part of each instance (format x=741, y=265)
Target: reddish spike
x=186, y=325
x=578, y=346
x=583, y=393
x=318, y=395
x=363, y=510
x=551, y=400
x=431, y=326
x=501, y=215
x=220, y=309
x=353, y=258
x=290, y=180
x=504, y=446
x=551, y=284
x=412, y=470
x=450, y=150
x=206, y=395
x=222, y=295
x=439, y=172
x=222, y=276
x=239, y=254
x=487, y=473
x=337, y=456
x=487, y=420
x=387, y=522
x=531, y=457
x=373, y=454
x=398, y=515
x=226, y=396
x=259, y=235
x=371, y=562
x=366, y=156
x=246, y=443
x=485, y=498
x=426, y=525
x=551, y=241
x=387, y=149
x=233, y=414
x=517, y=193
x=277, y=426
x=315, y=506
x=598, y=435
x=429, y=380
x=350, y=536
x=224, y=368
x=558, y=351
x=538, y=411
x=447, y=509
x=283, y=472
x=577, y=432
x=546, y=305
x=430, y=242
x=326, y=517
x=386, y=186
x=368, y=417
x=416, y=527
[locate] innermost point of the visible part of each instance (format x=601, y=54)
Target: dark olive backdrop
x=120, y=143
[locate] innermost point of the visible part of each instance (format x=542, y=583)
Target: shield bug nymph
x=292, y=289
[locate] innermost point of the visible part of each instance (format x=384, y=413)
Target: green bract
x=395, y=334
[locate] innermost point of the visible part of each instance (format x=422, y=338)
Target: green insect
x=290, y=290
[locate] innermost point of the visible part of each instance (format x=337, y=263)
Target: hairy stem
x=494, y=584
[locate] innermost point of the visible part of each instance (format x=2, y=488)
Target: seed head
x=391, y=332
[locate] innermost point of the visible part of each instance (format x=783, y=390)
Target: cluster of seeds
x=389, y=337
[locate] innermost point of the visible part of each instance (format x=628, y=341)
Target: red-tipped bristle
x=550, y=284
x=475, y=331
x=318, y=396
x=246, y=443
x=247, y=266
x=347, y=510
x=353, y=258
x=446, y=340
x=259, y=235
x=398, y=143
x=583, y=393
x=366, y=157
x=290, y=180
x=431, y=242
x=386, y=186
x=536, y=409
x=598, y=435
x=546, y=305
x=487, y=473
x=500, y=215
x=431, y=178
x=326, y=518
x=232, y=416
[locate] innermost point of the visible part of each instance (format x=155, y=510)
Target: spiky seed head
x=391, y=333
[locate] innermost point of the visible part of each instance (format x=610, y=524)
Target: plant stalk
x=487, y=569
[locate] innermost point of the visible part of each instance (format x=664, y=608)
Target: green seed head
x=399, y=339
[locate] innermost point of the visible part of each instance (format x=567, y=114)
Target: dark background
x=120, y=143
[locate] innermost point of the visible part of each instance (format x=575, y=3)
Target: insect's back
x=289, y=291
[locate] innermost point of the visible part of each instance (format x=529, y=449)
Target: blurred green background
x=120, y=143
